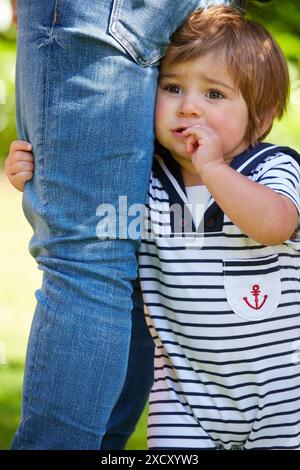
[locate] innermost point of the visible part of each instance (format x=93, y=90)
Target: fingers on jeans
x=23, y=156
x=19, y=171
x=18, y=180
x=17, y=161
x=19, y=166
x=20, y=145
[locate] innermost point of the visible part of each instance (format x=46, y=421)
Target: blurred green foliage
x=281, y=18
x=10, y=401
x=7, y=98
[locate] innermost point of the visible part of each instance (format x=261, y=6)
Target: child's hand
x=19, y=164
x=204, y=146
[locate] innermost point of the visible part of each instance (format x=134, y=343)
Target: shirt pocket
x=144, y=27
x=253, y=286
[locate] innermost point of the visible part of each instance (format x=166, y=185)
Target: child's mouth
x=179, y=132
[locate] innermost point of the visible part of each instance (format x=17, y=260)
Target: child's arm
x=19, y=164
x=263, y=214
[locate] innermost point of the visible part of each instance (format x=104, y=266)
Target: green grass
x=138, y=439
x=11, y=377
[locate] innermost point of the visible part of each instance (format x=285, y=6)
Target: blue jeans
x=86, y=83
x=138, y=381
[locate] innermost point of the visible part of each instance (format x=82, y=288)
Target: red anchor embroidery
x=255, y=292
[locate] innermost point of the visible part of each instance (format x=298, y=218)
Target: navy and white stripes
x=224, y=312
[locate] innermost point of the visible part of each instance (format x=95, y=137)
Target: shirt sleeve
x=281, y=173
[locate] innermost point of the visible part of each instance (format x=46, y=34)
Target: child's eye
x=215, y=95
x=174, y=89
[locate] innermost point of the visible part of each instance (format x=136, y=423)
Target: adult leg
x=87, y=108
x=139, y=380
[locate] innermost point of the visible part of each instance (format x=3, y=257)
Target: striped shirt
x=224, y=313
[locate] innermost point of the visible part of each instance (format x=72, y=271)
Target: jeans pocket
x=252, y=286
x=143, y=27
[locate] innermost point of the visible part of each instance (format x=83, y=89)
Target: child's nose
x=191, y=107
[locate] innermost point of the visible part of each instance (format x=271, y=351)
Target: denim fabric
x=86, y=105
x=87, y=108
x=144, y=27
x=139, y=380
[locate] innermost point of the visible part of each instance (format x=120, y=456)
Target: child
x=222, y=301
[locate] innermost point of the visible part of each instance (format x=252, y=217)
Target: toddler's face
x=200, y=90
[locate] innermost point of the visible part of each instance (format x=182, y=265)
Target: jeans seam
x=30, y=373
x=43, y=306
x=47, y=72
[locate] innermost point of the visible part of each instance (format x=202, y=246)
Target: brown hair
x=254, y=60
